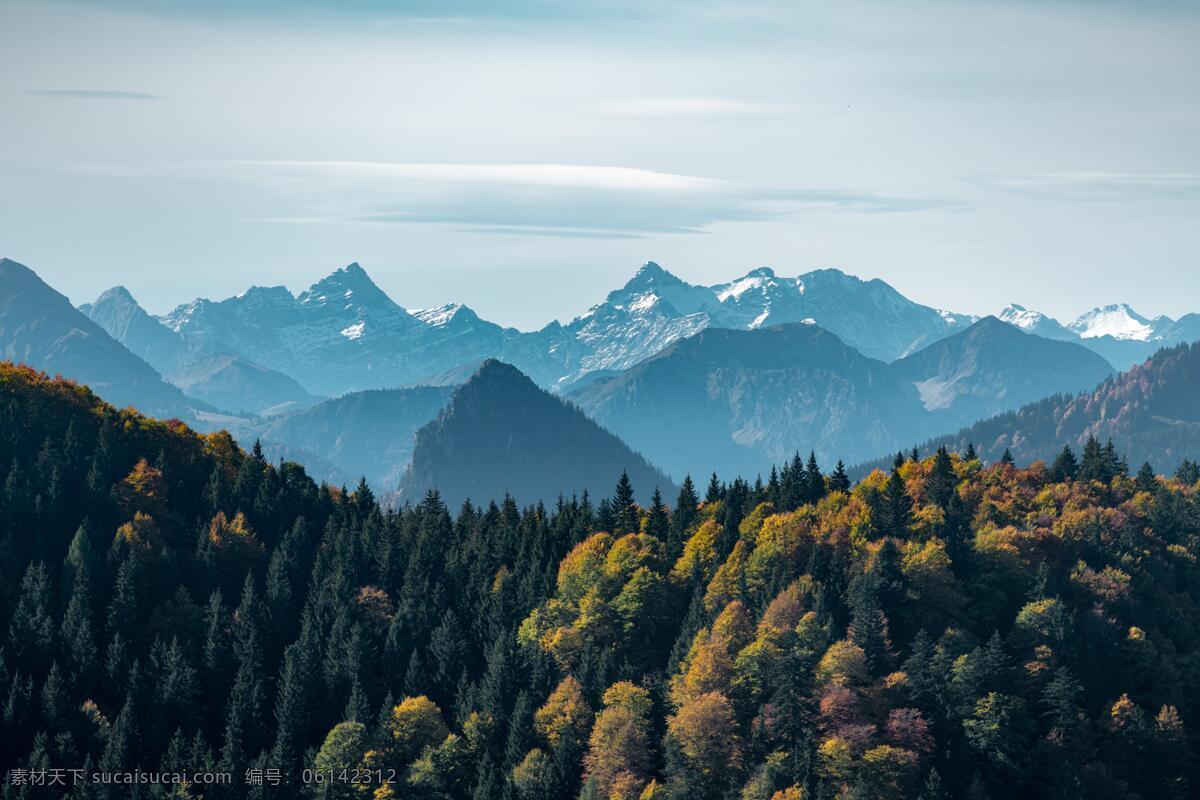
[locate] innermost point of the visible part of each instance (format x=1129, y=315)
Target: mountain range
x=40, y=327
x=1117, y=332
x=749, y=399
x=345, y=334
x=734, y=376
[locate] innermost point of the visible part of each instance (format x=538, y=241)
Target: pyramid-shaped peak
x=116, y=294
x=651, y=275
x=350, y=282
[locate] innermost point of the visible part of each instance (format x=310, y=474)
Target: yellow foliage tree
x=566, y=713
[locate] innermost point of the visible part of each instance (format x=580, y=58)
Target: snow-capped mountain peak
x=1117, y=320
x=1021, y=317
x=755, y=280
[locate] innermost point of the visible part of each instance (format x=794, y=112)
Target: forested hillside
x=500, y=434
x=942, y=629
x=1150, y=413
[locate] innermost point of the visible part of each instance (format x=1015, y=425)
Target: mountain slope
x=235, y=384
x=1150, y=412
x=993, y=367
x=366, y=433
x=744, y=400
x=501, y=434
x=126, y=321
x=40, y=327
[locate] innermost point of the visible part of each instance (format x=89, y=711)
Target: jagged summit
x=652, y=275
x=349, y=284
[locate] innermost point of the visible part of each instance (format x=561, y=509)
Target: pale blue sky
x=524, y=158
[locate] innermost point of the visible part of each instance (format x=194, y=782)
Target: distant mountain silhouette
x=992, y=367
x=740, y=401
x=1150, y=412
x=367, y=433
x=40, y=327
x=501, y=434
x=232, y=383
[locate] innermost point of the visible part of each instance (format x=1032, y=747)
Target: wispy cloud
x=686, y=106
x=567, y=200
x=1100, y=186
x=92, y=94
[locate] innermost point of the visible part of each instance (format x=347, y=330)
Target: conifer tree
x=1147, y=481
x=684, y=516
x=79, y=641
x=623, y=507
x=816, y=481
x=713, y=493
x=1065, y=467
x=839, y=481
x=1093, y=466
x=895, y=508
x=31, y=628
x=1188, y=472
x=658, y=523
x=942, y=480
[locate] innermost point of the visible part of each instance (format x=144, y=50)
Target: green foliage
x=942, y=629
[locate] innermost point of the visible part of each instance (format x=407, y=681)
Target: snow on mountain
x=354, y=331
x=1035, y=322
x=344, y=333
x=1118, y=321
x=441, y=315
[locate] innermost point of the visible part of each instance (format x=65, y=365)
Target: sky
x=525, y=158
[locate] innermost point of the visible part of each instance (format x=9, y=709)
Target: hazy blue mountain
x=143, y=335
x=234, y=384
x=655, y=308
x=1150, y=413
x=339, y=335
x=500, y=434
x=345, y=334
x=40, y=327
x=362, y=433
x=1116, y=332
x=993, y=367
x=870, y=316
x=227, y=381
x=740, y=401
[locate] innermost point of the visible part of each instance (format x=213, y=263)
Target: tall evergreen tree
x=713, y=493
x=839, y=481
x=816, y=481
x=1065, y=467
